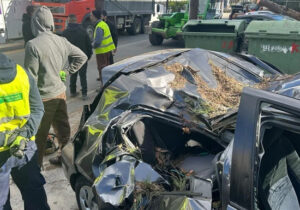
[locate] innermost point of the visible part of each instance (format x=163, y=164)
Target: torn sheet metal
x=117, y=182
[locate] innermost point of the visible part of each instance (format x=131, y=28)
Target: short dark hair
x=73, y=18
x=97, y=13
x=104, y=13
x=30, y=9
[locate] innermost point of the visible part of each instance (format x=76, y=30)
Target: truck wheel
x=156, y=39
x=145, y=23
x=136, y=27
x=84, y=195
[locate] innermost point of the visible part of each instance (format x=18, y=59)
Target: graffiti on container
x=227, y=45
x=294, y=48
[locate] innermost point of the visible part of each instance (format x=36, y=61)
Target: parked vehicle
x=262, y=15
x=168, y=131
x=129, y=15
x=170, y=25
x=11, y=13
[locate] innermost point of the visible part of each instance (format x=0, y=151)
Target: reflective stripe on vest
x=14, y=103
x=107, y=43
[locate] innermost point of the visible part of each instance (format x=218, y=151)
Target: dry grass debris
x=225, y=96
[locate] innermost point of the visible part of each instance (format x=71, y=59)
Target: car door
x=245, y=156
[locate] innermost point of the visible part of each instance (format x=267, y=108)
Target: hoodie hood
x=42, y=21
x=7, y=69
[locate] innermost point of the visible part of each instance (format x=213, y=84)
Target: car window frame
x=246, y=141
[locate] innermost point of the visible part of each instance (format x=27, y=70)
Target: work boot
x=85, y=97
x=55, y=160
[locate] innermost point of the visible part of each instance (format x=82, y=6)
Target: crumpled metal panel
x=288, y=87
x=117, y=181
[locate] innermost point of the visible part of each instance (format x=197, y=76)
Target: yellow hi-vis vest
x=14, y=104
x=107, y=44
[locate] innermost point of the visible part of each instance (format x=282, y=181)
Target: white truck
x=11, y=12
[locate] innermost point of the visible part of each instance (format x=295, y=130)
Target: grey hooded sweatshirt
x=47, y=54
x=7, y=74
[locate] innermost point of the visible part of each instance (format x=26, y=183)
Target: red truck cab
x=61, y=9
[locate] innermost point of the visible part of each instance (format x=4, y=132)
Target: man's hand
x=18, y=146
x=63, y=75
x=114, y=51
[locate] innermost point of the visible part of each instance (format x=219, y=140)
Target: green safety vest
x=107, y=44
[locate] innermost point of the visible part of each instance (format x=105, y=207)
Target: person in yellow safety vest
x=21, y=111
x=103, y=43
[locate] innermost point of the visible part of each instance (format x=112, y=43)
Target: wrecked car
x=188, y=129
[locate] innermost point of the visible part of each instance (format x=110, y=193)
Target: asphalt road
x=60, y=195
x=129, y=46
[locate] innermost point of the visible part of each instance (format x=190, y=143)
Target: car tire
x=136, y=27
x=156, y=39
x=84, y=194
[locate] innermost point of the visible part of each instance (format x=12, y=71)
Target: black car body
x=167, y=132
x=262, y=15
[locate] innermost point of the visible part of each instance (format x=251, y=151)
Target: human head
x=103, y=15
x=29, y=10
x=42, y=21
x=72, y=18
x=95, y=15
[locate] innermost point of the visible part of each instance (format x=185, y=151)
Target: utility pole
x=193, y=10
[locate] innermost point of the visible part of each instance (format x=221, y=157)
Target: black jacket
x=26, y=28
x=113, y=32
x=78, y=36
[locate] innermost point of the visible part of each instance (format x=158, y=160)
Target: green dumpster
x=276, y=42
x=217, y=35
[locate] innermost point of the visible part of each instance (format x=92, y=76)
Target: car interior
x=168, y=147
x=279, y=173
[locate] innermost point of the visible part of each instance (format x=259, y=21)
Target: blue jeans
x=283, y=196
x=26, y=174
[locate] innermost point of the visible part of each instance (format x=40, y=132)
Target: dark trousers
x=103, y=60
x=56, y=115
x=83, y=80
x=111, y=58
x=30, y=182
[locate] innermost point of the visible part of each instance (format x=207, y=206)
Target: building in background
x=11, y=12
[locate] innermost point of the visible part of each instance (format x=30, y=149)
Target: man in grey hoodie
x=45, y=56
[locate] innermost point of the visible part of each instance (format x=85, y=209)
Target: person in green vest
x=103, y=43
x=21, y=111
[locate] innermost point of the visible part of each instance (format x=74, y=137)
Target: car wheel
x=84, y=195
